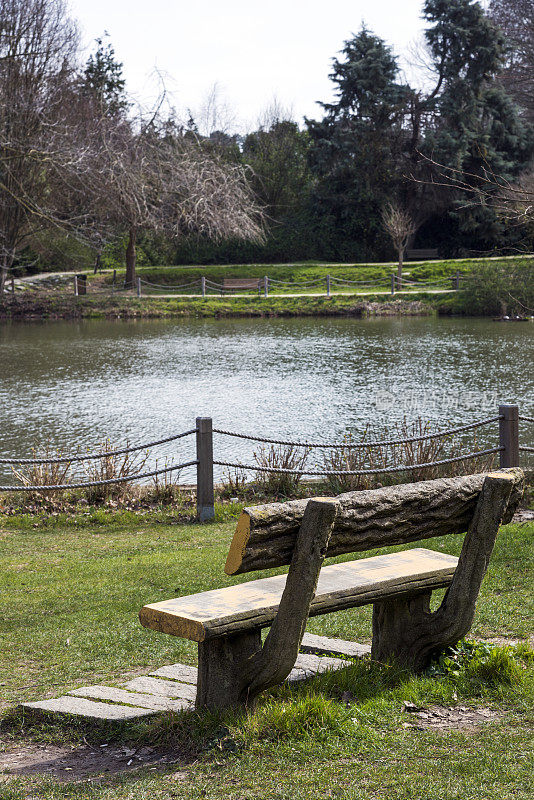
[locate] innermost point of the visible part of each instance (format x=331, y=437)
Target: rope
x=379, y=471
x=69, y=459
x=126, y=479
x=360, y=444
x=526, y=449
x=370, y=281
x=169, y=286
x=526, y=419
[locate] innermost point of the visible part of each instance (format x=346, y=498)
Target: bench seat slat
x=253, y=605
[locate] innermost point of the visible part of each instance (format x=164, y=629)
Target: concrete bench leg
x=221, y=662
x=233, y=670
x=397, y=626
x=405, y=630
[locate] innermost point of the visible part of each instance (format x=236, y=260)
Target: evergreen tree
x=366, y=151
x=474, y=125
x=103, y=80
x=356, y=149
x=277, y=154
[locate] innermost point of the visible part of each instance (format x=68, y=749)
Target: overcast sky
x=254, y=51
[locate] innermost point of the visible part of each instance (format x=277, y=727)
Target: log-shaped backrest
x=265, y=535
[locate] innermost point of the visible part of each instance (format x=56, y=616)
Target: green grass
x=70, y=591
x=60, y=305
x=304, y=272
x=127, y=307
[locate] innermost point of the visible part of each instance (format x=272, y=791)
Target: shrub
x=280, y=457
x=499, y=289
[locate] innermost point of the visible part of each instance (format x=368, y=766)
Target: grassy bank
x=60, y=306
x=304, y=272
x=486, y=292
x=71, y=588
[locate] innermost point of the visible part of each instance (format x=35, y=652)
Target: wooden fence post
x=509, y=435
x=203, y=286
x=139, y=287
x=457, y=286
x=13, y=286
x=393, y=283
x=205, y=496
x=76, y=286
x=328, y=285
x=266, y=285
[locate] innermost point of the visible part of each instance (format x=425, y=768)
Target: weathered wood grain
x=274, y=661
x=265, y=535
x=253, y=605
x=237, y=669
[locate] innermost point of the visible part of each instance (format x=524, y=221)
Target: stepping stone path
x=173, y=688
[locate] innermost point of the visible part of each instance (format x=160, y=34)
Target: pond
x=75, y=384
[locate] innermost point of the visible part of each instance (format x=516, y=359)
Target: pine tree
x=474, y=125
x=356, y=148
x=103, y=80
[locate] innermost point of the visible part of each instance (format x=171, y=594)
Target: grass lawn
x=71, y=588
x=304, y=272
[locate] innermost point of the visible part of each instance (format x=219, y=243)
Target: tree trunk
x=129, y=281
x=399, y=270
x=7, y=261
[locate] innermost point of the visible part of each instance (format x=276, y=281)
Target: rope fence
x=360, y=445
x=508, y=448
x=91, y=484
x=374, y=471
x=91, y=456
x=203, y=286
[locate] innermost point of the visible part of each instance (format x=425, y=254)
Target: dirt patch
x=80, y=762
x=446, y=718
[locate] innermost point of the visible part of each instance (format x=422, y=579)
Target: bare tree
x=38, y=45
x=146, y=175
x=398, y=223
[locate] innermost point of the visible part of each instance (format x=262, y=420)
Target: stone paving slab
x=177, y=672
x=110, y=694
x=79, y=707
x=173, y=687
x=307, y=665
x=322, y=645
x=162, y=688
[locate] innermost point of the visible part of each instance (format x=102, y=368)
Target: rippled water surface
x=76, y=383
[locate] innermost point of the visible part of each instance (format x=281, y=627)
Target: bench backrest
x=265, y=535
x=429, y=252
x=241, y=283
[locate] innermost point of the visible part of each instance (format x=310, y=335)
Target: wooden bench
x=241, y=284
x=234, y=667
x=419, y=255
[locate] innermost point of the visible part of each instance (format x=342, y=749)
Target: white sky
x=254, y=51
